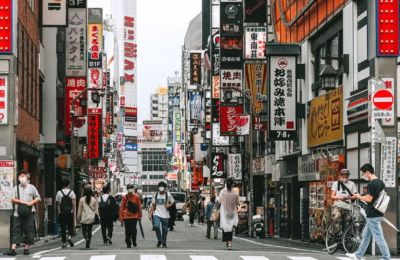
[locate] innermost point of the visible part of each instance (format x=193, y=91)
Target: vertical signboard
x=95, y=44
x=130, y=56
x=231, y=81
x=6, y=27
x=130, y=117
x=195, y=68
x=195, y=107
x=255, y=11
x=388, y=31
x=256, y=85
x=231, y=18
x=177, y=127
x=217, y=166
x=255, y=40
x=235, y=166
x=76, y=43
x=388, y=162
x=389, y=84
x=54, y=13
x=3, y=100
x=94, y=136
x=282, y=98
x=74, y=87
x=230, y=125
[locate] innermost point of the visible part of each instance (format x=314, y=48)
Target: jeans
x=130, y=231
x=66, y=224
x=106, y=228
x=87, y=231
x=373, y=228
x=209, y=225
x=161, y=225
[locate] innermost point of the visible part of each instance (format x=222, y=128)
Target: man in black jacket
x=108, y=214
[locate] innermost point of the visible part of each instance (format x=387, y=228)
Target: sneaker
x=109, y=240
x=164, y=245
x=87, y=244
x=71, y=244
x=134, y=244
x=128, y=246
x=352, y=256
x=12, y=252
x=26, y=251
x=64, y=245
x=159, y=244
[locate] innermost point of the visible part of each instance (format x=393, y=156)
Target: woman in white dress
x=228, y=212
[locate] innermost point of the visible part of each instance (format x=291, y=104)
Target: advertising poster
x=195, y=107
x=230, y=123
x=7, y=174
x=76, y=42
x=217, y=166
x=235, y=166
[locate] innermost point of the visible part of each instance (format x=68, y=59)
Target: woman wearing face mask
x=87, y=210
x=129, y=214
x=228, y=212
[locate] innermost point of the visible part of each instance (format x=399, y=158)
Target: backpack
x=66, y=206
x=104, y=206
x=382, y=202
x=166, y=201
x=131, y=206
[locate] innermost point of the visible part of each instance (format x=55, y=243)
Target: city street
x=184, y=243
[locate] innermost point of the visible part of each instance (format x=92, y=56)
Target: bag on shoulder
x=66, y=206
x=215, y=214
x=104, y=206
x=382, y=202
x=131, y=206
x=24, y=210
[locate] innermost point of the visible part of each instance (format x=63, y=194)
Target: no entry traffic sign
x=383, y=99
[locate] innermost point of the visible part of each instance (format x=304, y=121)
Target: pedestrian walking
x=109, y=212
x=208, y=211
x=130, y=212
x=88, y=211
x=159, y=213
x=191, y=209
x=66, y=207
x=172, y=214
x=201, y=207
x=24, y=200
x=228, y=212
x=373, y=227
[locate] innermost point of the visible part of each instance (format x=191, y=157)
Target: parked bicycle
x=350, y=237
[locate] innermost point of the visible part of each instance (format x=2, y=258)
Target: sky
x=161, y=28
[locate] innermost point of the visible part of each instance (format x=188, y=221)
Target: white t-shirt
x=105, y=197
x=161, y=210
x=65, y=191
x=340, y=191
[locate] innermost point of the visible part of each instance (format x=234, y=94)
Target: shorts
x=23, y=230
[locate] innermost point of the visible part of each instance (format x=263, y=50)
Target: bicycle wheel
x=331, y=239
x=352, y=236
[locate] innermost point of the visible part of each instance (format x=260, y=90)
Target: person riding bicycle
x=342, y=191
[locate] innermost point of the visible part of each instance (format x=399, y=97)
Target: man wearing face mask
x=24, y=199
x=161, y=202
x=342, y=190
x=130, y=213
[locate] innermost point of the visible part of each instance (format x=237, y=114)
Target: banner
x=76, y=42
x=94, y=136
x=255, y=11
x=230, y=125
x=325, y=118
x=235, y=166
x=255, y=40
x=74, y=87
x=6, y=44
x=282, y=98
x=153, y=133
x=195, y=107
x=215, y=66
x=217, y=166
x=195, y=68
x=54, y=13
x=256, y=85
x=3, y=100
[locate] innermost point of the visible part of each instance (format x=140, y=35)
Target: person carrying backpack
x=130, y=212
x=66, y=205
x=108, y=210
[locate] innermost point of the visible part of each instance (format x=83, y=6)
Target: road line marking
x=53, y=258
x=39, y=254
x=8, y=258
x=103, y=257
x=301, y=258
x=153, y=257
x=343, y=258
x=283, y=247
x=203, y=257
x=254, y=258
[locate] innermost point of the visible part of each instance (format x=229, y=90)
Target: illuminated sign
x=6, y=26
x=387, y=20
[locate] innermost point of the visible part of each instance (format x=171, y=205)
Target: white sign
x=217, y=139
x=388, y=162
x=389, y=84
x=3, y=100
x=54, y=13
x=95, y=82
x=259, y=166
x=76, y=42
x=130, y=56
x=6, y=184
x=235, y=166
x=283, y=93
x=255, y=40
x=231, y=80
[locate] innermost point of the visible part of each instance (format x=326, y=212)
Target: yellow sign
x=325, y=118
x=162, y=91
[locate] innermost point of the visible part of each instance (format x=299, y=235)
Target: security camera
x=72, y=113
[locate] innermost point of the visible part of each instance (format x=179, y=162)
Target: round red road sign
x=383, y=99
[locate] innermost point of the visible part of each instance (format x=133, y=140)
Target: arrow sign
x=383, y=99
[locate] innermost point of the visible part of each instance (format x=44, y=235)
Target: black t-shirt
x=374, y=188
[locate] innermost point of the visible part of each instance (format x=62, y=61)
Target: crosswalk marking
x=301, y=258
x=53, y=258
x=8, y=258
x=101, y=257
x=343, y=258
x=153, y=257
x=203, y=257
x=254, y=258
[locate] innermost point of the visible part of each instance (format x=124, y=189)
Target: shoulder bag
x=22, y=209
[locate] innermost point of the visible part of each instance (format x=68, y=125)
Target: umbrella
x=390, y=224
x=141, y=228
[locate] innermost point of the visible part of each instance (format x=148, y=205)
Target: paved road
x=184, y=243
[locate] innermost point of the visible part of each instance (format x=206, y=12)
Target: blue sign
x=131, y=147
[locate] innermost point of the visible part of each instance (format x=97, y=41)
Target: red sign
x=74, y=87
x=130, y=49
x=383, y=99
x=3, y=100
x=122, y=101
x=6, y=26
x=97, y=172
x=230, y=125
x=6, y=163
x=94, y=136
x=130, y=111
x=387, y=16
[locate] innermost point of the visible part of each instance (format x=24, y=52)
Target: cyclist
x=342, y=191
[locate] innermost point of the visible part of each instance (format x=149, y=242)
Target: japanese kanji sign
x=217, y=139
x=255, y=40
x=76, y=42
x=282, y=98
x=94, y=136
x=95, y=39
x=195, y=68
x=256, y=85
x=217, y=166
x=3, y=100
x=388, y=162
x=54, y=13
x=235, y=166
x=231, y=19
x=195, y=107
x=232, y=80
x=230, y=123
x=74, y=87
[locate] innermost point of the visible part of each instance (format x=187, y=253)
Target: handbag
x=382, y=202
x=215, y=214
x=22, y=209
x=96, y=217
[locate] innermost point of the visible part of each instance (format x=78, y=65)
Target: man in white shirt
x=66, y=206
x=159, y=212
x=342, y=191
